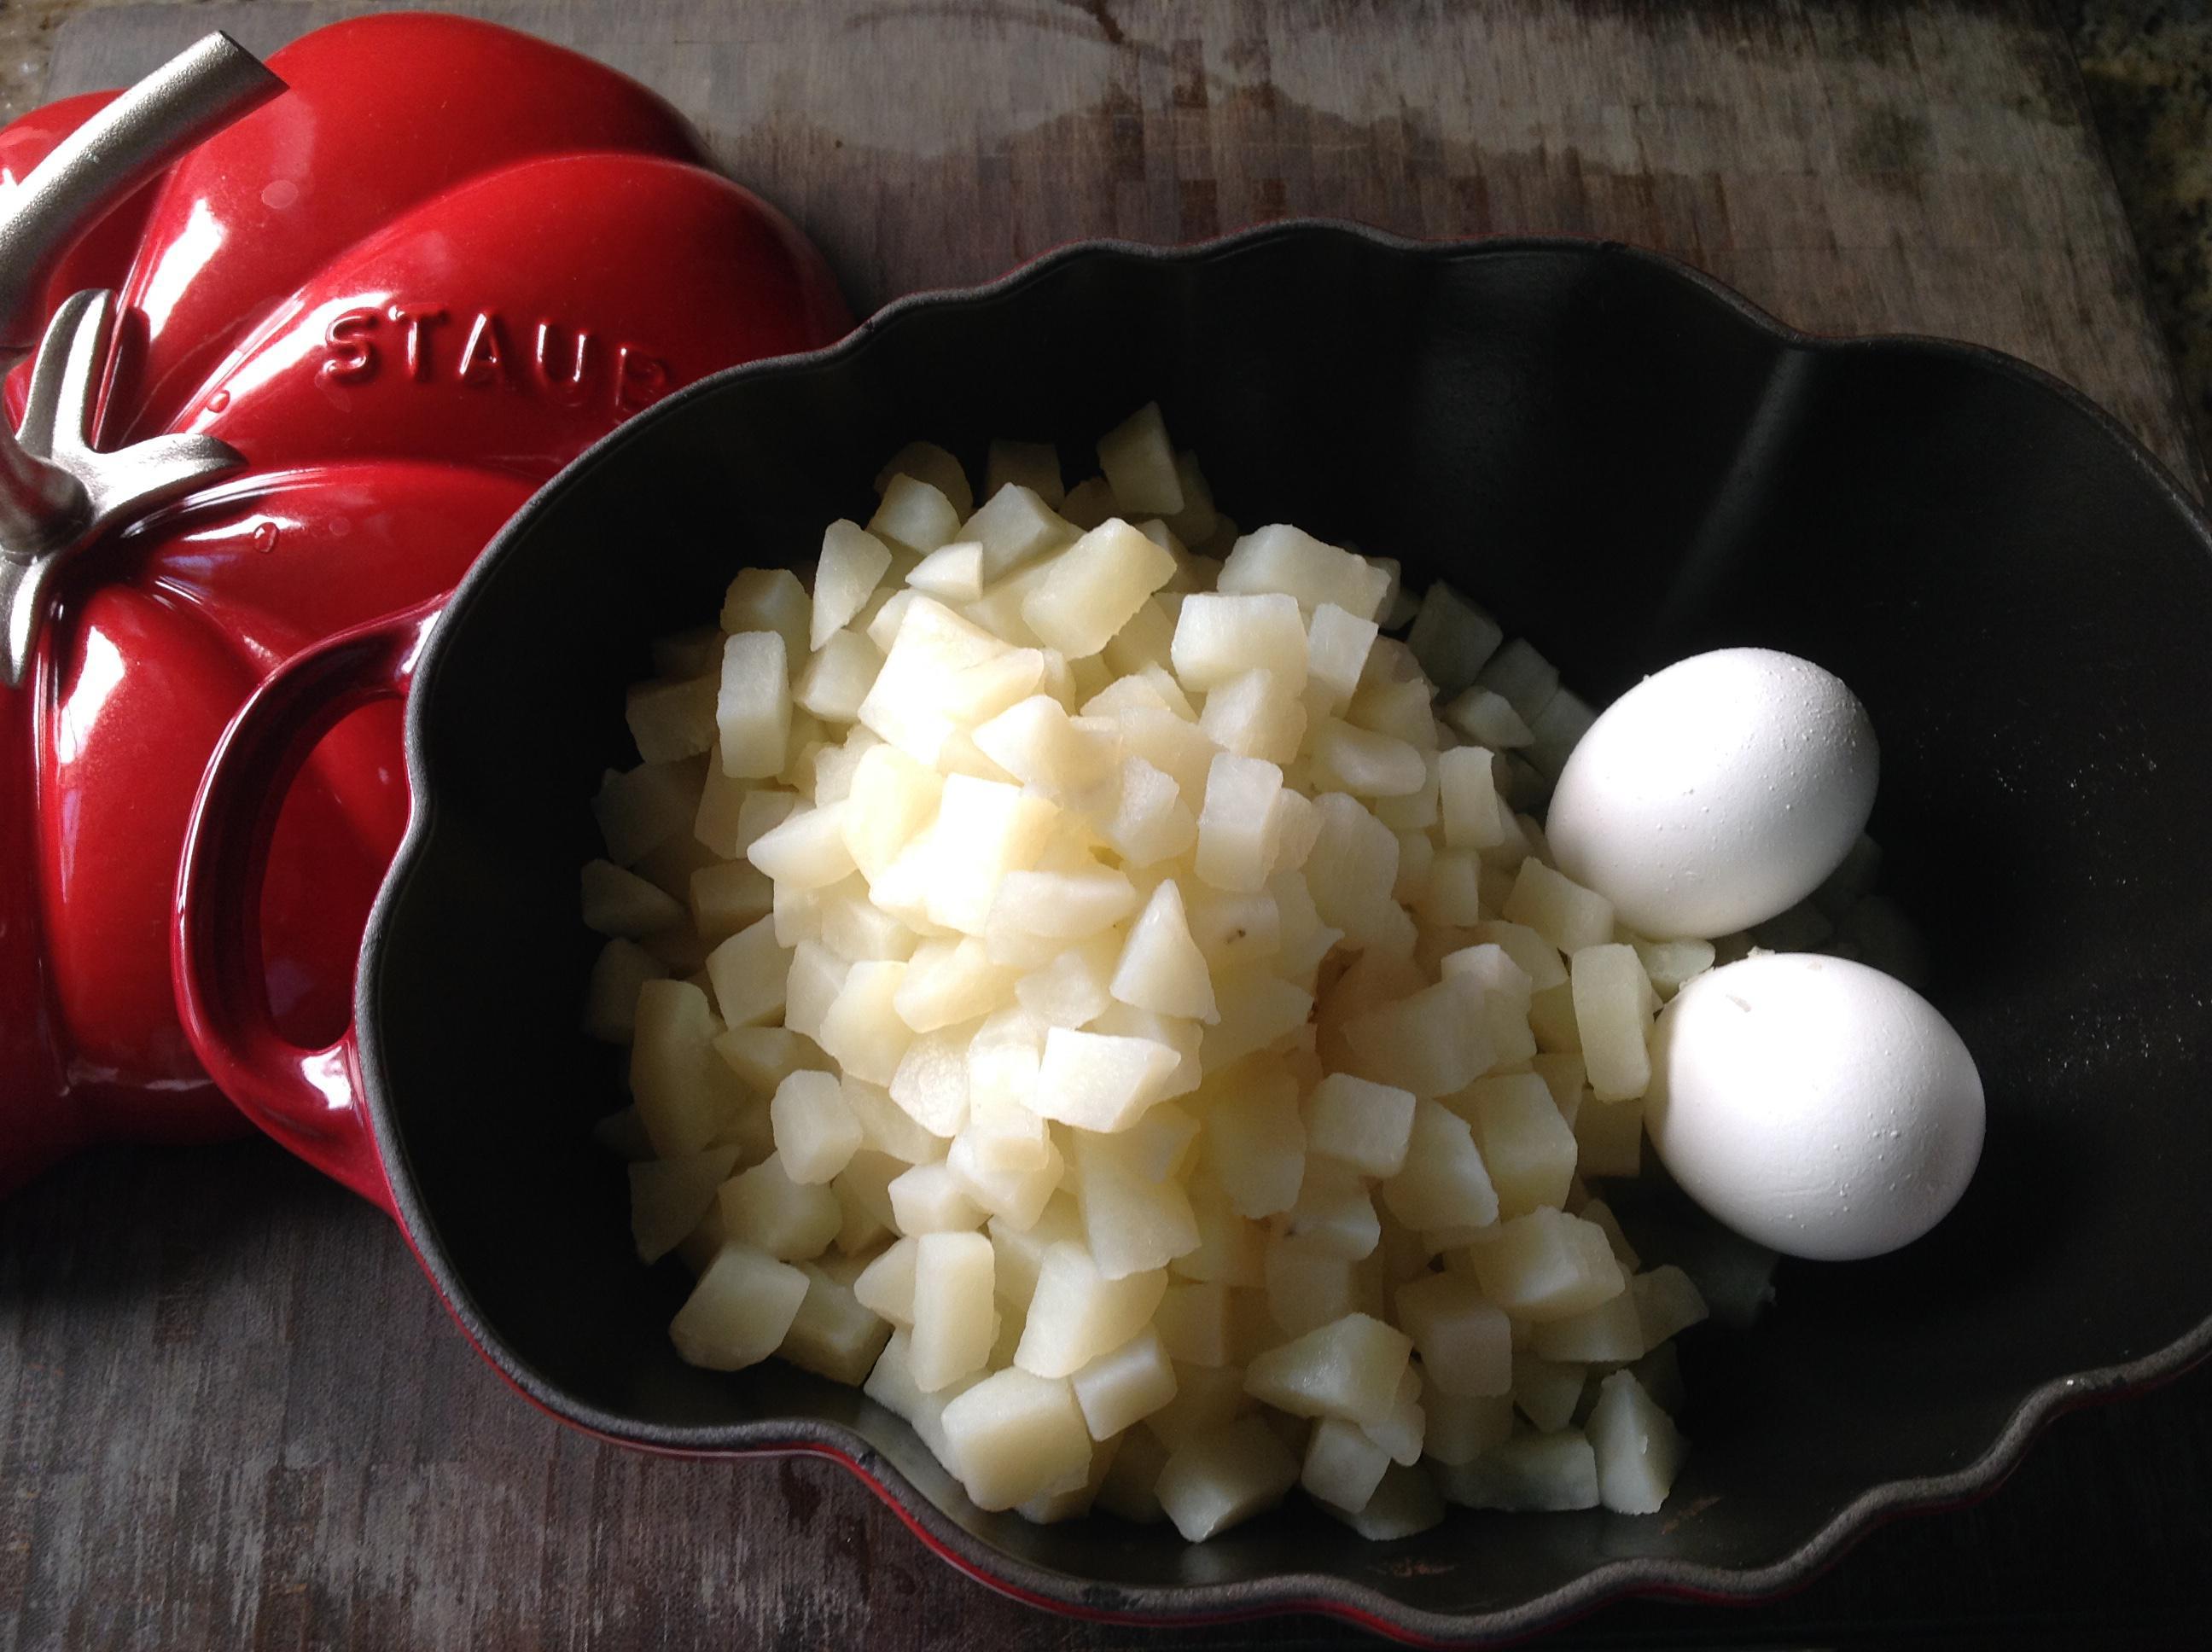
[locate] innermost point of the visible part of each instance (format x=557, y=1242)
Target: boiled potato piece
x=953, y=1314
x=1140, y=465
x=1347, y=1369
x=1546, y=1265
x=752, y=708
x=1223, y=1477
x=1283, y=560
x=739, y=1312
x=1638, y=1450
x=1015, y=1436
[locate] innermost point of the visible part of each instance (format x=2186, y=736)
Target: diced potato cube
x=835, y=684
x=1547, y=1266
x=1406, y=1505
x=1334, y=1211
x=1529, y=1473
x=1524, y=677
x=619, y=903
x=1443, y=1184
x=1399, y=1433
x=740, y=1311
x=1076, y=1313
x=1346, y=758
x=925, y=461
x=1487, y=718
x=1123, y=1386
x=1133, y=1223
x=886, y=1286
x=1352, y=869
x=673, y=1072
x=1466, y=1342
x=1433, y=1044
x=730, y=814
x=1237, y=829
x=1614, y=1007
x=1666, y=1303
x=1072, y=989
x=1016, y=526
x=1253, y=716
x=1256, y=1141
x=1461, y=1427
x=1231, y=1249
x=1360, y=1123
x=1232, y=930
x=1668, y=964
x=952, y=573
x=1307, y=1286
x=764, y=1208
x=610, y=1001
x=1551, y=1019
x=984, y=830
x=1548, y=1393
x=643, y=808
x=1220, y=637
x=915, y=516
x=1343, y=1466
x=1526, y=1145
x=1140, y=464
x=1218, y=1479
x=1150, y=822
x=998, y=1182
x=929, y=1199
x=1337, y=644
x=1099, y=1082
x=1609, y=1137
x=1014, y=1436
x=670, y=722
x=1159, y=967
x=854, y=562
x=728, y=897
x=668, y=1197
x=1453, y=638
x=1611, y=1331
x=1562, y=911
x=1558, y=729
x=1063, y=906
x=816, y=1131
x=1348, y=1368
x=1095, y=587
x=1638, y=1449
x=1475, y=816
x=953, y=1311
x=752, y=710
x=862, y=1030
x=807, y=850
x=833, y=1334
x=947, y=983
x=1063, y=757
x=1257, y=1010
x=769, y=599
x=1284, y=559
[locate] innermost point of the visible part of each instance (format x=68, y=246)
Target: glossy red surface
x=443, y=263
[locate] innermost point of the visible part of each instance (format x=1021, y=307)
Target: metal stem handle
x=57, y=492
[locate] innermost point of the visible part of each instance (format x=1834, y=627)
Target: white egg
x=1715, y=793
x=1814, y=1105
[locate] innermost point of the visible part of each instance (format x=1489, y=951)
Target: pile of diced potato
x=1090, y=984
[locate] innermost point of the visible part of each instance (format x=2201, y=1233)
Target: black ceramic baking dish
x=1628, y=464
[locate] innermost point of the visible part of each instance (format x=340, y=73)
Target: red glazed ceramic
x=401, y=301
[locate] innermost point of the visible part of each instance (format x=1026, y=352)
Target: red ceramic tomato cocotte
x=404, y=300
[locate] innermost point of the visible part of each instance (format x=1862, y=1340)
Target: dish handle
x=310, y=1099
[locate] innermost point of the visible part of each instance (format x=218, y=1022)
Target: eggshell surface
x=1815, y=1105
x=1716, y=793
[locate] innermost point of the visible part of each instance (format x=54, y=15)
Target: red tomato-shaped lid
x=406, y=290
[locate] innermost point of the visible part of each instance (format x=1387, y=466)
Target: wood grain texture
x=232, y=1413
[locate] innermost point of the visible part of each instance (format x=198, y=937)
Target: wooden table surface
x=232, y=1413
